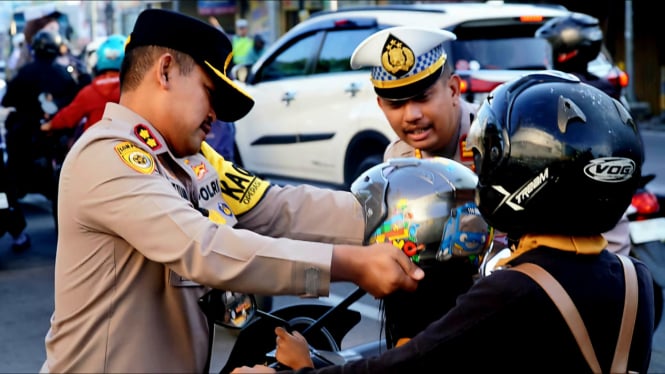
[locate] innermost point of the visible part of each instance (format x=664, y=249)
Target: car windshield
x=523, y=53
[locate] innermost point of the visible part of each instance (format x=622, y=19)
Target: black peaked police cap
x=208, y=46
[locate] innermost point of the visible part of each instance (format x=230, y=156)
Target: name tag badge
x=178, y=281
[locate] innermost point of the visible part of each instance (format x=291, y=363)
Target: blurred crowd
x=53, y=95
x=246, y=48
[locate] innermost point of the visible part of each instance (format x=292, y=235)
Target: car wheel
x=365, y=164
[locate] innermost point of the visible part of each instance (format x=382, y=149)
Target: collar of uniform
x=584, y=245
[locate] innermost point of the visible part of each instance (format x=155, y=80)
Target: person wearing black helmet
x=576, y=40
x=544, y=145
x=37, y=91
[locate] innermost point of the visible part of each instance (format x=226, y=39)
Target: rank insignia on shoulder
x=135, y=157
x=143, y=132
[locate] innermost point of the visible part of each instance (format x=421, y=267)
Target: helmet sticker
x=610, y=169
x=399, y=230
x=466, y=233
x=568, y=111
x=517, y=199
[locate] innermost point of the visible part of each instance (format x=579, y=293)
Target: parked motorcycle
x=647, y=235
x=324, y=327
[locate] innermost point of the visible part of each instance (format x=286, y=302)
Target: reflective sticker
x=135, y=157
x=146, y=136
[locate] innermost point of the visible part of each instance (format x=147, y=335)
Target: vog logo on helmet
x=610, y=169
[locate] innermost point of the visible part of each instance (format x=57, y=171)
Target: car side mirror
x=230, y=309
x=240, y=72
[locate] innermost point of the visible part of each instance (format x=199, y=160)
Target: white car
x=316, y=120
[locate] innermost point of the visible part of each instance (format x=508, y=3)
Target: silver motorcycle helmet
x=425, y=207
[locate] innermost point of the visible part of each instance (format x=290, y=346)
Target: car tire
x=366, y=163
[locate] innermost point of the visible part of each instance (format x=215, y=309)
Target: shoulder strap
x=569, y=312
x=620, y=361
x=567, y=308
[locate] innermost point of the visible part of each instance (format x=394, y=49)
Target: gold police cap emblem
x=397, y=58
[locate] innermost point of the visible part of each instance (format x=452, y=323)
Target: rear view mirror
x=230, y=309
x=240, y=72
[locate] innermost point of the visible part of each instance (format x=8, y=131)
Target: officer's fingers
x=406, y=265
x=280, y=331
x=406, y=273
x=415, y=272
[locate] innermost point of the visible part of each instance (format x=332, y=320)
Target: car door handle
x=288, y=97
x=353, y=88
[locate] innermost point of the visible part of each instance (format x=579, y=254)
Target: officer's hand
x=46, y=126
x=292, y=349
x=379, y=269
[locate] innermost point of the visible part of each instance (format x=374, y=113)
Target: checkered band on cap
x=423, y=66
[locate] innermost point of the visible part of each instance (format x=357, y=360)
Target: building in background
x=633, y=44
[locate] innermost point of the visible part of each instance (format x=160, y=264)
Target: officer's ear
x=454, y=83
x=164, y=65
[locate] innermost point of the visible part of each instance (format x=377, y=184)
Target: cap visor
x=229, y=101
x=409, y=91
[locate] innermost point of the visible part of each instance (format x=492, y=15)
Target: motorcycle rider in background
x=89, y=103
x=37, y=91
x=576, y=40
